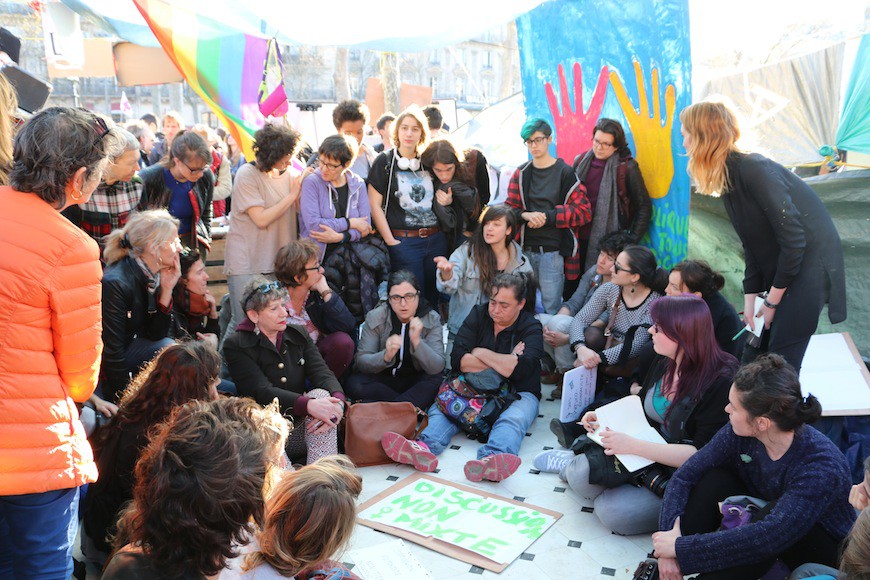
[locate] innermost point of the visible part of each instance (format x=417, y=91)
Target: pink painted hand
x=651, y=137
x=574, y=125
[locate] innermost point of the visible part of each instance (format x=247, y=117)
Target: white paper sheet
x=388, y=561
x=626, y=416
x=578, y=391
x=828, y=351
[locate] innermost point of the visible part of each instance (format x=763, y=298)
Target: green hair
x=532, y=126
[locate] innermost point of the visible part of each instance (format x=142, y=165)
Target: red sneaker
x=402, y=450
x=493, y=468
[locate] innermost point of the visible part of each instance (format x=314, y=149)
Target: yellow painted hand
x=651, y=137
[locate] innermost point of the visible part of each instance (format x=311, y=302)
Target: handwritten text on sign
x=493, y=528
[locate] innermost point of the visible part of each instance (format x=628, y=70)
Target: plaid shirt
x=109, y=208
x=572, y=214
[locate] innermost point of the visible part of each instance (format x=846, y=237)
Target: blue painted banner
x=629, y=61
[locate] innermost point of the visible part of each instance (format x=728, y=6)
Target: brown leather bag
x=367, y=422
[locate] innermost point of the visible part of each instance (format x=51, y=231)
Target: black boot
x=566, y=433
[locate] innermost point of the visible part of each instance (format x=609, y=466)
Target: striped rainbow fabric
x=224, y=66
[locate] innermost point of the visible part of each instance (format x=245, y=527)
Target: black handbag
x=604, y=470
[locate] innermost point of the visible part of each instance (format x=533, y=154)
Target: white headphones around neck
x=405, y=164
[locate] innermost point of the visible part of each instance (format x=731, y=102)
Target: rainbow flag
x=224, y=66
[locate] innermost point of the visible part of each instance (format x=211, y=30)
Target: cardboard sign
x=456, y=520
x=387, y=561
x=578, y=392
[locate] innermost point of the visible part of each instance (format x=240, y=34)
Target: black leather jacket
x=128, y=311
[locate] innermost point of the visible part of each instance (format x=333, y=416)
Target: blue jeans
x=506, y=436
x=418, y=256
x=37, y=533
x=549, y=268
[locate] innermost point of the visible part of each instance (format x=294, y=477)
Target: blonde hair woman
x=793, y=254
x=8, y=105
x=142, y=269
x=407, y=213
x=310, y=518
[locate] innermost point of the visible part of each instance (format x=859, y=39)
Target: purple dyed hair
x=686, y=320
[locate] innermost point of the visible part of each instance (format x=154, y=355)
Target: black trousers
x=418, y=389
x=702, y=516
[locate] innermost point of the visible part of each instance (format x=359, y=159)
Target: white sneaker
x=553, y=461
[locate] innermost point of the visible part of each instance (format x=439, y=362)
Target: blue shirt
x=180, y=205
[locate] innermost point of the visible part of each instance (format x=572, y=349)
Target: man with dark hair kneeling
x=504, y=338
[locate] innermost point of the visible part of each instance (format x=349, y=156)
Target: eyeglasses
x=602, y=144
x=324, y=165
x=617, y=268
x=266, y=289
x=191, y=169
x=402, y=298
x=316, y=266
x=535, y=141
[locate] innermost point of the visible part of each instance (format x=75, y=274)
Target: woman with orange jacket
x=49, y=337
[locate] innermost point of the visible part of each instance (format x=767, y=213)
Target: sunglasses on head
x=266, y=289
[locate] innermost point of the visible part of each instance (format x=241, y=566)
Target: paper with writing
x=578, y=391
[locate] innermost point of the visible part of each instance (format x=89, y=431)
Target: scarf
x=605, y=214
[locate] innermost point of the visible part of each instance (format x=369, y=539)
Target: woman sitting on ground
x=270, y=359
x=142, y=269
x=310, y=518
x=455, y=187
x=194, y=309
x=684, y=395
x=334, y=204
x=635, y=282
x=468, y=274
x=312, y=304
x=181, y=373
x=401, y=348
x=556, y=326
x=698, y=278
x=199, y=490
x=769, y=452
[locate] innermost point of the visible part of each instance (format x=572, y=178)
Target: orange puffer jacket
x=50, y=346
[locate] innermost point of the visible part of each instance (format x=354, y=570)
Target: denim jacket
x=316, y=206
x=464, y=285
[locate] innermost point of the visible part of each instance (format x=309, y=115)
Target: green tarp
x=847, y=197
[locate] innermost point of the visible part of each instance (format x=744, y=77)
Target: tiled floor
x=577, y=546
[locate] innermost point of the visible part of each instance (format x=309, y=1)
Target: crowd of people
x=210, y=449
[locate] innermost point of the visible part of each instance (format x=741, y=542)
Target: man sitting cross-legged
x=504, y=337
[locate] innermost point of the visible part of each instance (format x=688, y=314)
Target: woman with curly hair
x=310, y=518
x=199, y=492
x=181, y=373
x=262, y=220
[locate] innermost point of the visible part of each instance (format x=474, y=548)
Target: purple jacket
x=316, y=206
